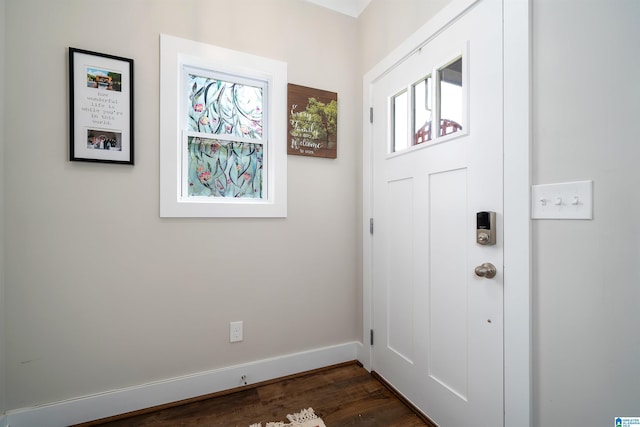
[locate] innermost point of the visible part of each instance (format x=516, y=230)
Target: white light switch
x=566, y=200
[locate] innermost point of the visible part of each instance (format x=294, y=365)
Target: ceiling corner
x=352, y=8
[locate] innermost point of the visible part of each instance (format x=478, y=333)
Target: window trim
x=177, y=53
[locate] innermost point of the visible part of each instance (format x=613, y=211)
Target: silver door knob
x=486, y=270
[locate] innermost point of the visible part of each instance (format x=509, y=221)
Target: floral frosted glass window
x=224, y=107
x=224, y=136
x=221, y=154
x=224, y=169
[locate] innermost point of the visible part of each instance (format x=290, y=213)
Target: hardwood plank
x=343, y=395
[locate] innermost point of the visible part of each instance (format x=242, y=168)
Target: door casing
x=517, y=183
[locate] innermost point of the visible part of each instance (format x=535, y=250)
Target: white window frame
x=177, y=54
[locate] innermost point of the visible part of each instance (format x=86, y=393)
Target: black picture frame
x=100, y=107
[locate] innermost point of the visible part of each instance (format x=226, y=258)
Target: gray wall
x=385, y=24
x=3, y=406
x=587, y=273
x=100, y=292
x=75, y=326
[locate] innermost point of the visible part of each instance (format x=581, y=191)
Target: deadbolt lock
x=486, y=228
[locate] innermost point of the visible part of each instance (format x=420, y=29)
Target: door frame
x=517, y=83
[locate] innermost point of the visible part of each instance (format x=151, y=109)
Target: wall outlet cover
x=235, y=331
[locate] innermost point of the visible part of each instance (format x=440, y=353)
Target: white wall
x=587, y=273
x=100, y=292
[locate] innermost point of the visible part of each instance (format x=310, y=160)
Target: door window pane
x=400, y=120
x=422, y=110
x=450, y=100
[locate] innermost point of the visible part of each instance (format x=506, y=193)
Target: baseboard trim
x=130, y=399
x=218, y=394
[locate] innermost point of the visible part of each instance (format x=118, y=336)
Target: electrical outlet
x=235, y=331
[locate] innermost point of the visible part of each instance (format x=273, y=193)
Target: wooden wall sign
x=313, y=122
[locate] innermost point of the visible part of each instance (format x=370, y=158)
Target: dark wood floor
x=343, y=395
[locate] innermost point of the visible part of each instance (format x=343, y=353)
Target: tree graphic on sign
x=318, y=122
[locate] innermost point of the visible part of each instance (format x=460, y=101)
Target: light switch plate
x=566, y=200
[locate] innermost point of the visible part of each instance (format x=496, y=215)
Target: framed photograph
x=101, y=107
x=313, y=122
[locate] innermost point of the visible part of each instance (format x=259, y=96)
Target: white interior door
x=439, y=326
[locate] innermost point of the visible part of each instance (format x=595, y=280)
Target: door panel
x=448, y=280
x=438, y=326
x=399, y=281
